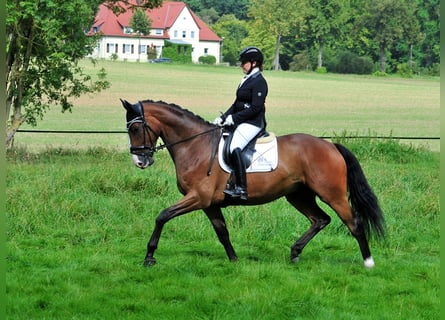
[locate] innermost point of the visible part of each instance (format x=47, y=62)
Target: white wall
x=184, y=29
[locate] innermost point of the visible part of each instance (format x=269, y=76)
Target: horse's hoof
x=295, y=259
x=369, y=263
x=148, y=262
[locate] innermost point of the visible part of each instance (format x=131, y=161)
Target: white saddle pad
x=265, y=157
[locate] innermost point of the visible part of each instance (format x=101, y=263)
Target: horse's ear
x=127, y=105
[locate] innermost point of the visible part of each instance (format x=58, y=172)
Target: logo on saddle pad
x=259, y=156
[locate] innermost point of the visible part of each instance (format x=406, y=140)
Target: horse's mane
x=179, y=110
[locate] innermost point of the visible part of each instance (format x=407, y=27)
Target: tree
x=233, y=31
x=275, y=17
x=139, y=22
x=45, y=41
x=388, y=22
x=326, y=20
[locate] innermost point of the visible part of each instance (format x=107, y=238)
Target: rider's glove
x=228, y=121
x=218, y=121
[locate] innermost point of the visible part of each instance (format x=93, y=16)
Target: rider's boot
x=240, y=189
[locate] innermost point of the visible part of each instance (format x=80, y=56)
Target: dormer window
x=128, y=30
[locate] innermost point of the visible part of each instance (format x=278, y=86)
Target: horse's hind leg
x=304, y=201
x=219, y=224
x=344, y=211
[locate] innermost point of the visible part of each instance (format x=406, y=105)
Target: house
x=174, y=22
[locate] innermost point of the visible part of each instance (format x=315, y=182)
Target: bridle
x=144, y=149
x=148, y=150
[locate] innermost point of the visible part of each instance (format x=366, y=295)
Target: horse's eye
x=134, y=129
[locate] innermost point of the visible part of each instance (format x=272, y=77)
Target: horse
x=308, y=167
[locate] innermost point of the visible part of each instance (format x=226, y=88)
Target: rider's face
x=247, y=66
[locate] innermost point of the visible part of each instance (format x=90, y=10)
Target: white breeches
x=243, y=134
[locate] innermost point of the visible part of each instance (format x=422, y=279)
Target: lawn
x=322, y=105
x=79, y=214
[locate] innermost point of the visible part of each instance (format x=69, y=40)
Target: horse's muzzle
x=142, y=161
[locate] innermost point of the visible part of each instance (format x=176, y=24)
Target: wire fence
x=323, y=137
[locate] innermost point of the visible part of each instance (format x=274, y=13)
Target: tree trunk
x=17, y=66
x=320, y=53
x=382, y=58
x=276, y=61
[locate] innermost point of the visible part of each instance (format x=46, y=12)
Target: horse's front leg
x=219, y=224
x=184, y=206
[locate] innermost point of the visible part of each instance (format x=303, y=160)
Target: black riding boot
x=240, y=190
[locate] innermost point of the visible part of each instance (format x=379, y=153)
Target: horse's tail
x=363, y=200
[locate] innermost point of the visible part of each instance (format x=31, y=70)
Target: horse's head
x=142, y=138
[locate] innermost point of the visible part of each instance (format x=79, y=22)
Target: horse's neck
x=176, y=128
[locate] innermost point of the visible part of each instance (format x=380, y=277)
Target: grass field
x=79, y=216
x=322, y=105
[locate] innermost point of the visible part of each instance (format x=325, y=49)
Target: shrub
x=114, y=57
x=300, y=62
x=207, y=59
x=404, y=70
x=380, y=74
x=321, y=70
x=348, y=62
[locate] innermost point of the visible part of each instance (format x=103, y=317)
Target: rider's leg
x=243, y=134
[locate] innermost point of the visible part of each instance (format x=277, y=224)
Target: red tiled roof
x=162, y=18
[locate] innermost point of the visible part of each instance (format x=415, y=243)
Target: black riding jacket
x=249, y=105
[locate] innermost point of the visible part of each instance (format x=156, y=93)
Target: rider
x=247, y=114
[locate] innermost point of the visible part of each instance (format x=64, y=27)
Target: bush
x=114, y=57
x=349, y=62
x=321, y=70
x=207, y=59
x=404, y=70
x=300, y=62
x=380, y=74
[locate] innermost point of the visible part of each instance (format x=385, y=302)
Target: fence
x=323, y=137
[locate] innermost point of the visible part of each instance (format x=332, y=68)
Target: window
x=192, y=34
x=111, y=48
x=206, y=51
x=175, y=33
x=184, y=34
x=128, y=30
x=128, y=48
x=143, y=49
x=159, y=32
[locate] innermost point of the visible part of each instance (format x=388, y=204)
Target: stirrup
x=237, y=192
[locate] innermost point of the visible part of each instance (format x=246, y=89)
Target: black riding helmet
x=251, y=54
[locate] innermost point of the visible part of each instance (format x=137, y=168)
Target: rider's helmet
x=251, y=54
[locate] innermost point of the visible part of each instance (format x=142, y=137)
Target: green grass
x=79, y=214
x=319, y=104
x=78, y=222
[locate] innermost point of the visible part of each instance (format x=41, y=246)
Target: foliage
x=140, y=23
x=45, y=41
x=221, y=8
x=349, y=62
x=321, y=70
x=404, y=70
x=209, y=59
x=275, y=18
x=233, y=31
x=400, y=23
x=177, y=52
x=300, y=62
x=327, y=21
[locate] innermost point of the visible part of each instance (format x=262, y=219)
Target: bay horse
x=308, y=167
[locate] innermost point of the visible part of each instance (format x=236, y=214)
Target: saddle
x=260, y=155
